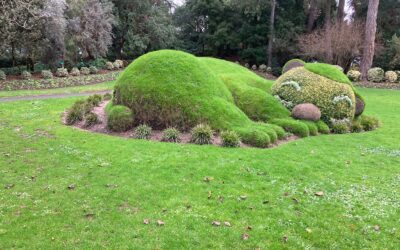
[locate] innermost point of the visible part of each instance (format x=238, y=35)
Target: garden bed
x=376, y=85
x=58, y=82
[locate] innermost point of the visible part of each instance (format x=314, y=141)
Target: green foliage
x=85, y=71
x=356, y=126
x=93, y=70
x=291, y=64
x=171, y=135
x=369, y=123
x=119, y=118
x=340, y=127
x=376, y=74
x=329, y=71
x=75, y=71
x=323, y=128
x=354, y=75
x=107, y=97
x=293, y=126
x=202, y=134
x=230, y=139
x=109, y=66
x=46, y=74
x=312, y=127
x=62, y=72
x=94, y=99
x=75, y=113
x=91, y=119
x=143, y=132
x=26, y=75
x=2, y=76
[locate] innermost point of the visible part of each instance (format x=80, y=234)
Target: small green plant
x=107, y=97
x=94, y=100
x=202, y=134
x=369, y=123
x=171, y=135
x=75, y=113
x=2, y=76
x=356, y=126
x=143, y=132
x=230, y=139
x=85, y=71
x=91, y=119
x=119, y=118
x=26, y=75
x=340, y=127
x=93, y=70
x=46, y=74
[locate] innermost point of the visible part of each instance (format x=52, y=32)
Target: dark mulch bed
x=377, y=85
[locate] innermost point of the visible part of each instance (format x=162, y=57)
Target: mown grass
x=120, y=182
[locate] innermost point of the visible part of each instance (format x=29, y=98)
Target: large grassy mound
x=172, y=88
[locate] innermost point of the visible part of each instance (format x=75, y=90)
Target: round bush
x=119, y=118
x=202, y=134
x=85, y=71
x=376, y=75
x=75, y=72
x=75, y=113
x=369, y=123
x=26, y=75
x=171, y=135
x=62, y=72
x=230, y=139
x=306, y=111
x=93, y=70
x=334, y=99
x=390, y=76
x=46, y=74
x=340, y=127
x=254, y=67
x=118, y=64
x=263, y=68
x=293, y=126
x=109, y=66
x=2, y=76
x=91, y=119
x=291, y=64
x=323, y=128
x=143, y=132
x=354, y=75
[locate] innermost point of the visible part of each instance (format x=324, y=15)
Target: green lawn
x=69, y=90
x=120, y=182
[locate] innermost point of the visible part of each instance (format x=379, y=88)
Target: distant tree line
x=254, y=31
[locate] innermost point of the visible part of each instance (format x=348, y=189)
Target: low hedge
x=293, y=126
x=119, y=118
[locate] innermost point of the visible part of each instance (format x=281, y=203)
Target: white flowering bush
x=354, y=75
x=376, y=75
x=390, y=76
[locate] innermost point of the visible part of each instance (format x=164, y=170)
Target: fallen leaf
x=286, y=194
x=243, y=197
x=8, y=186
x=295, y=200
x=160, y=223
x=226, y=223
x=221, y=199
x=208, y=179
x=245, y=236
x=319, y=193
x=146, y=221
x=285, y=239
x=90, y=216
x=265, y=202
x=209, y=195
x=216, y=223
x=308, y=230
x=377, y=228
x=249, y=228
x=71, y=186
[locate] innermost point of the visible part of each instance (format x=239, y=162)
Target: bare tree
x=271, y=33
x=340, y=11
x=312, y=15
x=369, y=40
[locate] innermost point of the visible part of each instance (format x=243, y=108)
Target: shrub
x=328, y=95
x=293, y=126
x=85, y=71
x=91, y=119
x=340, y=126
x=306, y=111
x=171, y=135
x=356, y=126
x=107, y=97
x=143, y=132
x=323, y=128
x=369, y=123
x=119, y=118
x=75, y=72
x=2, y=76
x=263, y=68
x=93, y=70
x=26, y=75
x=291, y=64
x=94, y=100
x=354, y=75
x=230, y=139
x=376, y=75
x=46, y=74
x=62, y=72
x=312, y=127
x=75, y=113
x=109, y=66
x=202, y=134
x=254, y=138
x=254, y=67
x=118, y=64
x=390, y=76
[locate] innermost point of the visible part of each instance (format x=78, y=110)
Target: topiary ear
x=294, y=63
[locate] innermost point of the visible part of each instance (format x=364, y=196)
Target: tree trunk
x=13, y=54
x=271, y=33
x=328, y=25
x=369, y=41
x=312, y=15
x=340, y=12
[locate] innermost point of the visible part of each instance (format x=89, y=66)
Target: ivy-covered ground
x=66, y=188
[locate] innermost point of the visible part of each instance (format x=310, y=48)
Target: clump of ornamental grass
x=143, y=132
x=171, y=135
x=230, y=139
x=202, y=134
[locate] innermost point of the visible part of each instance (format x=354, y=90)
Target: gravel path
x=51, y=96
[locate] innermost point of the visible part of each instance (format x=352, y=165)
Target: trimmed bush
x=390, y=76
x=291, y=64
x=306, y=111
x=119, y=118
x=334, y=99
x=75, y=113
x=91, y=119
x=2, y=76
x=171, y=135
x=376, y=75
x=26, y=75
x=85, y=71
x=323, y=128
x=312, y=127
x=143, y=132
x=109, y=66
x=295, y=127
x=75, y=72
x=340, y=127
x=93, y=70
x=62, y=72
x=369, y=123
x=118, y=64
x=95, y=100
x=202, y=134
x=254, y=67
x=354, y=75
x=46, y=74
x=230, y=139
x=107, y=97
x=255, y=138
x=263, y=68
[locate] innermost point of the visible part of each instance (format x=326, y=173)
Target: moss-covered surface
x=329, y=71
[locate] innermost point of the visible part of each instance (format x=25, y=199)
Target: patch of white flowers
x=287, y=104
x=292, y=84
x=342, y=98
